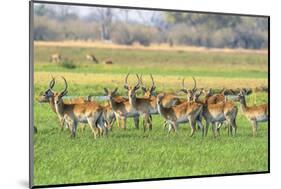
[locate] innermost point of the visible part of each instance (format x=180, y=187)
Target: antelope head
x=189, y=92
x=207, y=92
x=241, y=96
x=110, y=94
x=131, y=88
x=197, y=94
x=58, y=96
x=148, y=91
x=48, y=94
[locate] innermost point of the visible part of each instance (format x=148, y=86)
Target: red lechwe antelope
x=182, y=113
x=254, y=114
x=218, y=113
x=48, y=97
x=121, y=108
x=211, y=98
x=88, y=112
x=169, y=100
x=92, y=58
x=144, y=106
x=55, y=58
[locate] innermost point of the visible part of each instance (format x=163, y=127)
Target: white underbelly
x=82, y=119
x=153, y=111
x=131, y=114
x=263, y=118
x=218, y=118
x=182, y=120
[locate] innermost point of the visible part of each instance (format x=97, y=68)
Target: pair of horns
x=194, y=88
x=126, y=80
x=53, y=81
x=153, y=84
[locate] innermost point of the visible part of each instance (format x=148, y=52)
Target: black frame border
x=31, y=94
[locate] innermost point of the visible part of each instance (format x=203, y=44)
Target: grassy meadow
x=132, y=154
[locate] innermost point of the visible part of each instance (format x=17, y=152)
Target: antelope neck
x=112, y=103
x=52, y=104
x=132, y=100
x=243, y=104
x=159, y=108
x=59, y=108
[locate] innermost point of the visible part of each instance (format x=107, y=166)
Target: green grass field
x=131, y=154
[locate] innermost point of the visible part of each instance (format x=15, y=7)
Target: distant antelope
x=89, y=112
x=108, y=61
x=182, y=113
x=55, y=58
x=92, y=58
x=255, y=113
x=122, y=109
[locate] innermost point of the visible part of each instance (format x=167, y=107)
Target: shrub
x=68, y=64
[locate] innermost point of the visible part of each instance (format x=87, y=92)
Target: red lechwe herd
x=215, y=109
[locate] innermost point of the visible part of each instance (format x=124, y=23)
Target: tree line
x=125, y=26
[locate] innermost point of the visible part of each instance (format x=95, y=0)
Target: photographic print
x=122, y=94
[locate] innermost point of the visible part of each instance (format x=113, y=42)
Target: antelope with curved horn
x=255, y=113
x=169, y=100
x=88, y=112
x=48, y=97
x=122, y=109
x=189, y=92
x=144, y=106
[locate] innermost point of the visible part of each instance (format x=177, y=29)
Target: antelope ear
x=105, y=90
x=126, y=87
x=198, y=93
x=115, y=90
x=143, y=88
x=183, y=90
x=136, y=87
x=153, y=88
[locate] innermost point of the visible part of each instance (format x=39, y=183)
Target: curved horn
x=182, y=85
x=126, y=79
x=65, y=82
x=126, y=86
x=152, y=80
x=138, y=83
x=194, y=88
x=141, y=80
x=52, y=83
